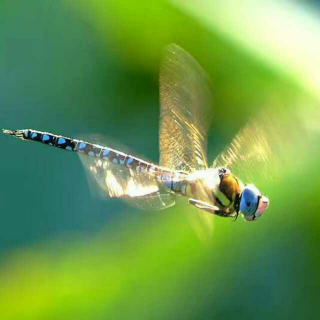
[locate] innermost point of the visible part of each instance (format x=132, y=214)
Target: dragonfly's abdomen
x=174, y=181
x=168, y=177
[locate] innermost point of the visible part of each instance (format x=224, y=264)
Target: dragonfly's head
x=252, y=203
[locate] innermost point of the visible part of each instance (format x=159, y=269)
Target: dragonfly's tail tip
x=6, y=131
x=15, y=133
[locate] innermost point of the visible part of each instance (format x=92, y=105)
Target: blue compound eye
x=249, y=200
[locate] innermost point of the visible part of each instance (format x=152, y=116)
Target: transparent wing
x=185, y=99
x=138, y=189
x=203, y=224
x=266, y=146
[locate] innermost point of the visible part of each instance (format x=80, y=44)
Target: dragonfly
x=183, y=170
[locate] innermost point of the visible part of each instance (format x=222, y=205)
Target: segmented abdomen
x=173, y=180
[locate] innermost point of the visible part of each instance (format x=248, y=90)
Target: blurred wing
x=202, y=223
x=265, y=146
x=185, y=99
x=138, y=189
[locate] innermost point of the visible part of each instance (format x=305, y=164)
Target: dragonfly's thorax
x=215, y=186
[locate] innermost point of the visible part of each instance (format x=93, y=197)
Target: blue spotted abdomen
x=173, y=180
x=89, y=149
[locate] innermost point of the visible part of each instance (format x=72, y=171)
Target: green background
x=91, y=67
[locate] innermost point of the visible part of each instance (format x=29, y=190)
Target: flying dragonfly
x=183, y=170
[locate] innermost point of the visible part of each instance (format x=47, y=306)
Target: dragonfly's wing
x=267, y=145
x=116, y=181
x=202, y=223
x=185, y=99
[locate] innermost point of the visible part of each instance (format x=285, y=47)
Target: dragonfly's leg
x=223, y=214
x=210, y=208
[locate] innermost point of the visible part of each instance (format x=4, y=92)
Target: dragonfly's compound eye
x=262, y=207
x=249, y=200
x=252, y=204
x=250, y=217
